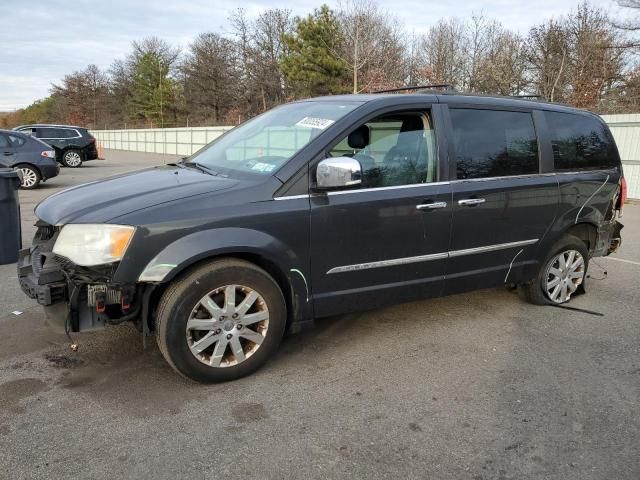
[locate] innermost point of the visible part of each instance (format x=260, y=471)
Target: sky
x=42, y=40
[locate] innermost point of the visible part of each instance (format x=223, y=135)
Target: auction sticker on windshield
x=263, y=167
x=312, y=122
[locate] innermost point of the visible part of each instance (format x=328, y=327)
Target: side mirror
x=338, y=172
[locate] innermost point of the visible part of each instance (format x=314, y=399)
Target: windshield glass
x=266, y=142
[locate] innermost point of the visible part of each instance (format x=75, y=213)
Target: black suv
x=73, y=145
x=328, y=206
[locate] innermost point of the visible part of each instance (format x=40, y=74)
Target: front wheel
x=72, y=159
x=221, y=321
x=561, y=275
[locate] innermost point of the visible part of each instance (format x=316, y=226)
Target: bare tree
x=502, y=68
x=596, y=59
x=548, y=56
x=630, y=26
x=372, y=47
x=481, y=34
x=210, y=83
x=442, y=53
x=85, y=95
x=269, y=47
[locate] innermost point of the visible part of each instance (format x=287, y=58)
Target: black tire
x=31, y=177
x=535, y=292
x=72, y=158
x=178, y=301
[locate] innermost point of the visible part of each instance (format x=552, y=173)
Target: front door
x=502, y=204
x=386, y=240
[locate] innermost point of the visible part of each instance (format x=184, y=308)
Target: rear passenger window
x=494, y=143
x=579, y=142
x=3, y=142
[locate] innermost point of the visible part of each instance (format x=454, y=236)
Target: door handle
x=431, y=206
x=8, y=153
x=470, y=202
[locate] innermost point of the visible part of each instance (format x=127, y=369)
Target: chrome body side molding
x=427, y=258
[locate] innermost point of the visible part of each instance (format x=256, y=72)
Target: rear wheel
x=221, y=321
x=30, y=176
x=72, y=159
x=561, y=275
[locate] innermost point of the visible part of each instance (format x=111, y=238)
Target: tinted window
x=579, y=142
x=395, y=149
x=50, y=132
x=491, y=143
x=3, y=141
x=16, y=141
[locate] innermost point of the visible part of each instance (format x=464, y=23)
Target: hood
x=103, y=200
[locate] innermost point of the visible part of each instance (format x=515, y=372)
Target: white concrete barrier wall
x=171, y=141
x=185, y=141
x=626, y=131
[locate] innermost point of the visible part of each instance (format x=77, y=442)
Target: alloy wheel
x=29, y=177
x=565, y=274
x=72, y=159
x=227, y=326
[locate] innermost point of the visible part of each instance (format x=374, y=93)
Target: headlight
x=90, y=245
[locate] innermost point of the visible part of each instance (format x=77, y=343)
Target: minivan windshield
x=266, y=142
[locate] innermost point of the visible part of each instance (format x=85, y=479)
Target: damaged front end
x=75, y=298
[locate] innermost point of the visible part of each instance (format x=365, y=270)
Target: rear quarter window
x=16, y=141
x=580, y=142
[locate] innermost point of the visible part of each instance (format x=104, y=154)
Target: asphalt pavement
x=472, y=386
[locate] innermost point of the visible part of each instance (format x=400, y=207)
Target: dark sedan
x=35, y=160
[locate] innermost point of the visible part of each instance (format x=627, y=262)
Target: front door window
x=393, y=150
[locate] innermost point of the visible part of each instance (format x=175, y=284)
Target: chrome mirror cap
x=338, y=172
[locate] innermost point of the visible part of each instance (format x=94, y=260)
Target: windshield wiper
x=201, y=167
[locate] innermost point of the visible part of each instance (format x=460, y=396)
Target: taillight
x=623, y=193
x=48, y=154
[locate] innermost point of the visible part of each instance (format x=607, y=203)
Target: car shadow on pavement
x=112, y=368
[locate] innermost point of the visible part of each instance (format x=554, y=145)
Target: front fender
x=186, y=251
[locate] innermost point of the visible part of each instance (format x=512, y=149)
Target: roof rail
x=445, y=86
x=531, y=97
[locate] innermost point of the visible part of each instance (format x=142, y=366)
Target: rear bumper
x=609, y=239
x=49, y=171
x=91, y=153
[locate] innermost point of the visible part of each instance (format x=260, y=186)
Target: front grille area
x=36, y=260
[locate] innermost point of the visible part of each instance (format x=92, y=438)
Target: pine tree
x=309, y=66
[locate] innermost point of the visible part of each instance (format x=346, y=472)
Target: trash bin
x=10, y=232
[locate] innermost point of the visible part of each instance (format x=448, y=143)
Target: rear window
x=580, y=142
x=494, y=143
